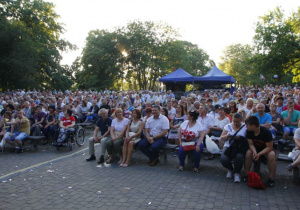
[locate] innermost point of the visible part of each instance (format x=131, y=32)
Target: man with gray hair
x=103, y=125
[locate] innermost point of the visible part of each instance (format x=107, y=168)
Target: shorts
x=289, y=130
x=17, y=136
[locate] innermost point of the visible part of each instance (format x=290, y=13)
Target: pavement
x=50, y=179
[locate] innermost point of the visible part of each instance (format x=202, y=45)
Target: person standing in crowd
x=157, y=127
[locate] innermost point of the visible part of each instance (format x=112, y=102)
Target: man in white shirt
x=157, y=127
x=205, y=119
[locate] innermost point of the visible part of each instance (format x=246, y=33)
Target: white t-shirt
x=119, y=125
x=230, y=131
x=171, y=112
x=221, y=123
x=206, y=121
x=190, y=133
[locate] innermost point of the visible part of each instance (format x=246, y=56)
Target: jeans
x=49, y=131
x=289, y=130
x=92, y=117
x=63, y=134
x=197, y=156
x=152, y=150
x=238, y=161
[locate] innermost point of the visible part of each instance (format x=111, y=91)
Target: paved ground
x=70, y=182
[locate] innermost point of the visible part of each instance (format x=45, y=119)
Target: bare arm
x=223, y=138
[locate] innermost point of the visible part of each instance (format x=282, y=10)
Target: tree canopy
x=30, y=46
x=275, y=51
x=137, y=55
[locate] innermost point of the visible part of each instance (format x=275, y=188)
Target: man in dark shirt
x=260, y=146
x=103, y=125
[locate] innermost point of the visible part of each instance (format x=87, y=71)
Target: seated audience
x=237, y=129
x=191, y=131
x=117, y=132
x=133, y=136
x=260, y=148
x=157, y=127
x=103, y=125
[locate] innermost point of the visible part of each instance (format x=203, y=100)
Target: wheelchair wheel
x=80, y=136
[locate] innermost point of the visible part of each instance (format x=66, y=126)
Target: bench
x=164, y=152
x=35, y=140
x=296, y=174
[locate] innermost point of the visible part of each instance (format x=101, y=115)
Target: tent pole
x=193, y=85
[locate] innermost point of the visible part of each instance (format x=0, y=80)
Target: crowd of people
x=242, y=124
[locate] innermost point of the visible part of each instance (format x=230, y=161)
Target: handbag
x=254, y=181
x=216, y=133
x=188, y=145
x=237, y=146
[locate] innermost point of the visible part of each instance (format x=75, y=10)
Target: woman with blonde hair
x=117, y=132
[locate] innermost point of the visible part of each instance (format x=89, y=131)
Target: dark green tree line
x=30, y=46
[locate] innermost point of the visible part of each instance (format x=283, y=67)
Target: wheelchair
x=75, y=136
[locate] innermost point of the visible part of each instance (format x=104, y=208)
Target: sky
x=212, y=25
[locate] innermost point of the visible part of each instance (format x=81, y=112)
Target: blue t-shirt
x=266, y=118
x=103, y=125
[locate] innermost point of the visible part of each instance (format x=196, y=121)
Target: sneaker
x=269, y=183
x=229, y=175
x=237, y=178
x=290, y=168
x=245, y=179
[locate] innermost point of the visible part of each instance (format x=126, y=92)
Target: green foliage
x=101, y=60
x=277, y=41
x=135, y=56
x=276, y=51
x=30, y=46
x=237, y=63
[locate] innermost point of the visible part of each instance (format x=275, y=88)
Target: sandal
x=195, y=170
x=180, y=169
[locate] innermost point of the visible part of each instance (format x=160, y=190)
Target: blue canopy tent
x=178, y=76
x=177, y=79
x=215, y=76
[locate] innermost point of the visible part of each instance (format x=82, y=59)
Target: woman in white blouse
x=117, y=132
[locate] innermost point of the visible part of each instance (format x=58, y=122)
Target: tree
x=188, y=56
x=277, y=41
x=31, y=45
x=237, y=63
x=102, y=60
